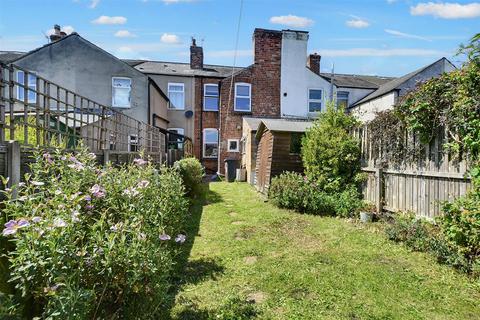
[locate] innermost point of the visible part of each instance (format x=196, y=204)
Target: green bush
x=330, y=154
x=291, y=190
x=92, y=242
x=192, y=172
x=415, y=233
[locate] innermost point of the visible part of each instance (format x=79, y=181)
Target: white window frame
x=170, y=105
x=336, y=97
x=238, y=145
x=315, y=100
x=204, y=143
x=32, y=87
x=249, y=96
x=205, y=95
x=135, y=140
x=118, y=88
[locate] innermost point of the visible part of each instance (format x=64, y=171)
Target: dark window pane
x=315, y=106
x=315, y=94
x=296, y=142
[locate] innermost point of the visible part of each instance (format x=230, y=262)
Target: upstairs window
x=176, y=94
x=121, y=92
x=233, y=145
x=210, y=143
x=315, y=100
x=210, y=97
x=342, y=99
x=31, y=85
x=243, y=97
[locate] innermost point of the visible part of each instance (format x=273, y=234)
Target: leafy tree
x=331, y=155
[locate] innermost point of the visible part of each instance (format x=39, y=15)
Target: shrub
x=409, y=230
x=330, y=154
x=92, y=242
x=291, y=190
x=192, y=172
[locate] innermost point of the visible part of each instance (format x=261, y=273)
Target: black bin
x=231, y=166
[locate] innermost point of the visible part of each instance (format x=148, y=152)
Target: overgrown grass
x=294, y=266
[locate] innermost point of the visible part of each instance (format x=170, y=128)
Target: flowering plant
x=92, y=242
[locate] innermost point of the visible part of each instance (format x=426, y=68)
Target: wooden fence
x=35, y=112
x=418, y=185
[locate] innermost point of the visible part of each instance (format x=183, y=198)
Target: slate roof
x=183, y=69
x=283, y=125
x=356, y=80
x=394, y=84
x=8, y=56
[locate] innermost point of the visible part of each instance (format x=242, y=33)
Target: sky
x=374, y=37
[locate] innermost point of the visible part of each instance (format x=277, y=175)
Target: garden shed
x=279, y=145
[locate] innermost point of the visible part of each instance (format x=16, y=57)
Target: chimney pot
x=196, y=56
x=57, y=33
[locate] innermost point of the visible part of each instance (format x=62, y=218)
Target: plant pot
x=366, y=217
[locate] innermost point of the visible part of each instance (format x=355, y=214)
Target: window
x=210, y=143
x=243, y=95
x=176, y=94
x=296, y=142
x=233, y=145
x=112, y=141
x=175, y=142
x=133, y=143
x=210, y=97
x=342, y=99
x=315, y=100
x=121, y=90
x=32, y=86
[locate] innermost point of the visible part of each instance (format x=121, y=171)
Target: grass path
x=307, y=267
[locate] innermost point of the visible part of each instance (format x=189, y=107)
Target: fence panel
x=418, y=185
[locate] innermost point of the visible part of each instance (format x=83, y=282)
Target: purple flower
x=48, y=157
x=77, y=166
x=143, y=184
x=12, y=226
x=88, y=198
x=97, y=191
x=180, y=238
x=36, y=219
x=89, y=207
x=140, y=162
x=59, y=223
x=165, y=237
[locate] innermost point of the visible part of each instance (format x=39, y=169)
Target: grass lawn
x=308, y=267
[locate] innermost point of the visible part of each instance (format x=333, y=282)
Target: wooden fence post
x=379, y=189
x=13, y=165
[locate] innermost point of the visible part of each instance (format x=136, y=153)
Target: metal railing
x=38, y=112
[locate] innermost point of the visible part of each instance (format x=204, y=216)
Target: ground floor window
x=210, y=143
x=296, y=142
x=133, y=143
x=174, y=141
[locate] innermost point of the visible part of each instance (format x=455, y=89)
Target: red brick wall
x=264, y=76
x=203, y=120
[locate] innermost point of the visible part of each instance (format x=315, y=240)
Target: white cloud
x=66, y=29
x=124, y=34
x=447, y=10
x=110, y=20
x=292, y=21
x=373, y=52
x=405, y=35
x=94, y=4
x=357, y=23
x=170, y=38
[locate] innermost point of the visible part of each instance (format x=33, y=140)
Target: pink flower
x=48, y=157
x=97, y=191
x=180, y=238
x=165, y=237
x=140, y=162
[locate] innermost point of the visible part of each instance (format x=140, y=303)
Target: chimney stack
x=196, y=56
x=57, y=33
x=314, y=62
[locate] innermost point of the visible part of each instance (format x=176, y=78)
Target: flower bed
x=92, y=242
